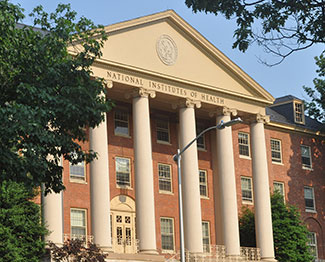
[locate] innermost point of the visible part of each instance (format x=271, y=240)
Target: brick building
x=169, y=83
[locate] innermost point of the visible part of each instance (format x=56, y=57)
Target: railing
x=125, y=245
x=86, y=239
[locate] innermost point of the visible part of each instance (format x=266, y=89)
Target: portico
x=161, y=64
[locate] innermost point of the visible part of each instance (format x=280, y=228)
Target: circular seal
x=166, y=50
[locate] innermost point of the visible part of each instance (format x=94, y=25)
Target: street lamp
x=177, y=158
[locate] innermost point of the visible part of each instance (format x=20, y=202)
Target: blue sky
x=287, y=78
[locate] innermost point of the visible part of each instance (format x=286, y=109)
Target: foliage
x=48, y=97
x=75, y=250
x=282, y=27
x=20, y=227
x=290, y=235
x=316, y=107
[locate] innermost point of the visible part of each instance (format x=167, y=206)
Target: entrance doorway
x=123, y=224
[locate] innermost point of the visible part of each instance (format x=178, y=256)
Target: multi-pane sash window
x=243, y=141
x=167, y=233
x=299, y=113
x=203, y=183
x=122, y=166
x=246, y=189
x=312, y=243
x=206, y=236
x=305, y=156
x=309, y=198
x=279, y=188
x=78, y=223
x=162, y=130
x=77, y=172
x=121, y=122
x=201, y=140
x=276, y=150
x=165, y=178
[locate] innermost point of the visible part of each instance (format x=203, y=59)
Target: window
x=312, y=243
x=77, y=172
x=305, y=156
x=78, y=223
x=162, y=130
x=201, y=140
x=299, y=113
x=167, y=233
x=243, y=140
x=206, y=236
x=246, y=189
x=309, y=198
x=203, y=183
x=122, y=166
x=276, y=151
x=165, y=180
x=279, y=188
x=121, y=122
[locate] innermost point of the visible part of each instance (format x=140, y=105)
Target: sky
x=295, y=71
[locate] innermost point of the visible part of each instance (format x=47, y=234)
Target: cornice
x=296, y=129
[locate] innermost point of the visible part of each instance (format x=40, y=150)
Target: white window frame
x=164, y=179
x=310, y=209
x=129, y=173
x=163, y=129
x=167, y=234
x=204, y=184
x=74, y=236
x=245, y=199
x=76, y=177
x=200, y=142
x=276, y=160
x=246, y=144
x=312, y=237
x=305, y=166
x=298, y=109
x=281, y=184
x=116, y=120
x=206, y=247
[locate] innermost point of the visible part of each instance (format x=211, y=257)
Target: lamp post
x=177, y=158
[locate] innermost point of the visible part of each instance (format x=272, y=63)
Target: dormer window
x=299, y=113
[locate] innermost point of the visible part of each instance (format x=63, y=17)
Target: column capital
x=189, y=103
x=225, y=111
x=265, y=119
x=141, y=92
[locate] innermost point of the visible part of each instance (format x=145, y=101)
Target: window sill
x=163, y=143
x=278, y=163
x=245, y=157
x=308, y=168
x=78, y=181
x=124, y=187
x=311, y=211
x=202, y=149
x=204, y=197
x=168, y=251
x=246, y=202
x=122, y=135
x=166, y=192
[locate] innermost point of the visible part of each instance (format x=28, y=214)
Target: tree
x=289, y=233
x=76, y=250
x=316, y=107
x=20, y=227
x=281, y=27
x=48, y=96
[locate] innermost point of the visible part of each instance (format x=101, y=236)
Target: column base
x=268, y=259
x=135, y=257
x=149, y=251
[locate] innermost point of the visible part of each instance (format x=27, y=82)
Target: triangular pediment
x=164, y=44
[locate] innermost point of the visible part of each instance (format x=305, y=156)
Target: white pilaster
x=190, y=179
x=144, y=191
x=227, y=186
x=99, y=188
x=263, y=217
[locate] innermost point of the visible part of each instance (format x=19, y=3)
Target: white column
x=99, y=188
x=52, y=205
x=190, y=180
x=144, y=191
x=263, y=217
x=227, y=186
